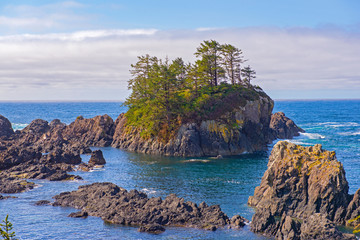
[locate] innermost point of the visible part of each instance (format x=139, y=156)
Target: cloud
x=94, y=65
x=29, y=18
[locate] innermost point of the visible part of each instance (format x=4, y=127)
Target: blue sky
x=82, y=50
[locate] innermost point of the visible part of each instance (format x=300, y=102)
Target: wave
x=339, y=124
x=148, y=191
x=19, y=126
x=312, y=135
x=196, y=160
x=349, y=133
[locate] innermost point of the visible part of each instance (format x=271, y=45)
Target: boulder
x=5, y=127
x=282, y=127
x=116, y=205
x=97, y=158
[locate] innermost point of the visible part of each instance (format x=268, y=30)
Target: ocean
x=228, y=182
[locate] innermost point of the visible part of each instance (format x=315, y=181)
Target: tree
x=210, y=54
x=248, y=73
x=231, y=60
x=5, y=229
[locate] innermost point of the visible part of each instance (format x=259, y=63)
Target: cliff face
x=303, y=194
x=244, y=129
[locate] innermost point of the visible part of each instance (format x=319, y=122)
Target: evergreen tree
x=248, y=73
x=231, y=60
x=5, y=229
x=210, y=58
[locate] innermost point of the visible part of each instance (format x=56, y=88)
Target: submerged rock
x=299, y=183
x=116, y=205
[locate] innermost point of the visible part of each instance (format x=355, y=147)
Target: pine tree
x=5, y=229
x=231, y=60
x=210, y=58
x=248, y=73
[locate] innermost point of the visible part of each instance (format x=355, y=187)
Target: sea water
x=227, y=182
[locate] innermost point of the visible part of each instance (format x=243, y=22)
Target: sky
x=82, y=50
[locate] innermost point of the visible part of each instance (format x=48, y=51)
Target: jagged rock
x=14, y=185
x=302, y=186
x=282, y=127
x=42, y=202
x=116, y=205
x=97, y=158
x=353, y=211
x=245, y=128
x=5, y=127
x=97, y=131
x=153, y=228
x=301, y=181
x=14, y=155
x=58, y=155
x=238, y=221
x=80, y=214
x=39, y=170
x=317, y=226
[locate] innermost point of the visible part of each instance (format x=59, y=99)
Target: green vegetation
x=166, y=94
x=5, y=229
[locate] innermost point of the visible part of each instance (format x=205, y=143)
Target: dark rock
x=14, y=185
x=238, y=221
x=5, y=197
x=317, y=226
x=116, y=205
x=97, y=131
x=80, y=214
x=282, y=127
x=97, y=158
x=5, y=127
x=58, y=155
x=14, y=155
x=42, y=202
x=153, y=228
x=353, y=211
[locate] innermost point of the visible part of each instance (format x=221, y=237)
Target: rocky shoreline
x=49, y=151
x=116, y=205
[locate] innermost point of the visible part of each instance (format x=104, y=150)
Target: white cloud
x=28, y=18
x=94, y=65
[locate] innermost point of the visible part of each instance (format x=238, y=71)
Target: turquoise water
x=228, y=182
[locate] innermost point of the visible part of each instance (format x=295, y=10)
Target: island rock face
x=282, y=127
x=5, y=127
x=117, y=205
x=243, y=129
x=301, y=187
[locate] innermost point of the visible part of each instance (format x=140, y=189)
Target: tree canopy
x=167, y=93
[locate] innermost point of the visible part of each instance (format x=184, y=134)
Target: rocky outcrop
x=97, y=158
x=282, y=127
x=116, y=205
x=299, y=183
x=244, y=129
x=5, y=127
